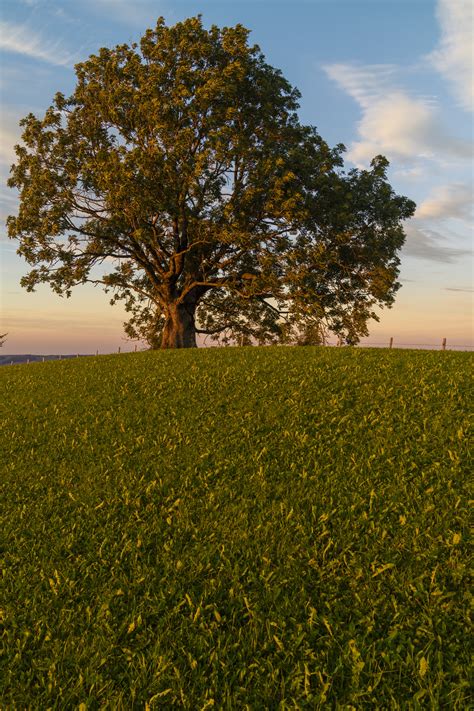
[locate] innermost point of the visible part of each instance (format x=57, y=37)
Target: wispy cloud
x=365, y=83
x=453, y=200
x=426, y=243
x=21, y=39
x=393, y=122
x=410, y=173
x=453, y=58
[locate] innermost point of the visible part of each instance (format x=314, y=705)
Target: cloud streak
x=425, y=243
x=466, y=290
x=22, y=40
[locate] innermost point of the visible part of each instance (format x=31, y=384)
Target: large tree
x=179, y=177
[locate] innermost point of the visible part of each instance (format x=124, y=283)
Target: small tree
x=178, y=177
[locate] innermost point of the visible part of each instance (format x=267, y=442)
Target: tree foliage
x=179, y=178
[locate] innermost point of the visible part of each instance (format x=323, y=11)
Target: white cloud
x=454, y=56
x=454, y=200
x=401, y=127
x=393, y=123
x=21, y=39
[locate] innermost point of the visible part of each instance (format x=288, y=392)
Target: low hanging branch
x=180, y=165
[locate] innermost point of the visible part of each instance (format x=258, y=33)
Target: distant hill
x=28, y=357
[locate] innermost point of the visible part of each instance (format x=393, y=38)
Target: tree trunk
x=179, y=330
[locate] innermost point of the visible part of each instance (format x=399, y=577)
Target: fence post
x=97, y=352
x=43, y=359
x=391, y=342
x=135, y=347
x=444, y=344
x=119, y=349
x=27, y=361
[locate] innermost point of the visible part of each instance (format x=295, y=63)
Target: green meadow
x=242, y=528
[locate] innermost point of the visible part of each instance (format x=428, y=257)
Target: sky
x=381, y=76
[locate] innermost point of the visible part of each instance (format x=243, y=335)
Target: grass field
x=255, y=528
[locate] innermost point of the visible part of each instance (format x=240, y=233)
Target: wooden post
x=444, y=344
x=135, y=347
x=97, y=352
x=119, y=349
x=391, y=342
x=27, y=361
x=43, y=359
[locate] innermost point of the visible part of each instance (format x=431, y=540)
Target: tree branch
x=212, y=331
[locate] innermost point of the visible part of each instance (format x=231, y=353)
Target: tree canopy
x=179, y=177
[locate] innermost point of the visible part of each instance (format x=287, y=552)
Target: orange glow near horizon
x=43, y=323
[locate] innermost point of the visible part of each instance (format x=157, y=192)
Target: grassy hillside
x=254, y=528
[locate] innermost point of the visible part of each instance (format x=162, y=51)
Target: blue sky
x=381, y=76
